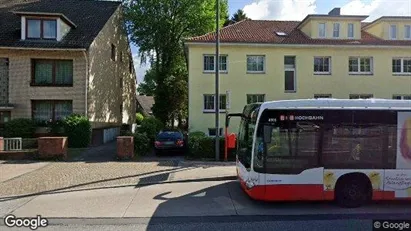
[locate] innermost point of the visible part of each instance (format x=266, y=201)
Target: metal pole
x=217, y=73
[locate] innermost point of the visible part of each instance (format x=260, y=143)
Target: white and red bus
x=351, y=151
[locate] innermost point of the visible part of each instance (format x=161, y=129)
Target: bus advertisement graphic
x=404, y=140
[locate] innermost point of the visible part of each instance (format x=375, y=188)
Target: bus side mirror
x=268, y=133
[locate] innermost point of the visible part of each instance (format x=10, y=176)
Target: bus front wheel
x=353, y=190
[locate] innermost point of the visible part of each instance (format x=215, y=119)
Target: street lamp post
x=217, y=73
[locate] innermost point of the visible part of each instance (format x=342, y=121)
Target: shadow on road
x=224, y=201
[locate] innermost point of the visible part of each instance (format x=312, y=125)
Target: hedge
x=78, y=130
x=151, y=126
x=142, y=144
x=24, y=128
x=203, y=147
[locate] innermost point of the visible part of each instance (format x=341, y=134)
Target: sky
x=298, y=9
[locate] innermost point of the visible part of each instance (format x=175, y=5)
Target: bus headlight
x=250, y=184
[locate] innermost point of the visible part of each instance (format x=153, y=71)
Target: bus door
x=291, y=164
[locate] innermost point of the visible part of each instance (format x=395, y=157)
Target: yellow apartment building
x=322, y=56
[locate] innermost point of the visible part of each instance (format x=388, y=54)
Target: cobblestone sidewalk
x=95, y=168
x=80, y=175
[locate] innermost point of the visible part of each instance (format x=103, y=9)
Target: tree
x=148, y=86
x=158, y=28
x=237, y=16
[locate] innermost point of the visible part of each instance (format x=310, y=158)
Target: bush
x=78, y=130
x=24, y=128
x=203, y=147
x=139, y=118
x=142, y=144
x=197, y=134
x=151, y=126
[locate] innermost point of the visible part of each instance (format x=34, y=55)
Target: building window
x=350, y=30
x=402, y=97
x=121, y=56
x=255, y=63
x=41, y=29
x=289, y=74
x=255, y=98
x=5, y=117
x=113, y=52
x=360, y=65
x=393, y=31
x=322, y=65
x=130, y=64
x=361, y=96
x=289, y=62
x=51, y=110
x=321, y=30
x=320, y=96
x=407, y=31
x=211, y=131
x=401, y=65
x=48, y=72
x=209, y=103
x=209, y=63
x=336, y=30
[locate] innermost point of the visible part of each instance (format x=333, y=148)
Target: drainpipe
x=86, y=89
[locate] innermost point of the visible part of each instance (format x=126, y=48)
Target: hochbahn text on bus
x=350, y=151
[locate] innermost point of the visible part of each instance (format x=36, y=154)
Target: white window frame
x=322, y=96
x=257, y=71
x=349, y=29
x=295, y=80
x=257, y=96
x=402, y=97
x=402, y=59
x=361, y=96
x=407, y=27
x=221, y=131
x=214, y=103
x=329, y=65
x=214, y=60
x=336, y=30
x=396, y=32
x=359, y=72
x=319, y=30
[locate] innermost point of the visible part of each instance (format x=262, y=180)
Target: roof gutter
x=298, y=45
x=42, y=49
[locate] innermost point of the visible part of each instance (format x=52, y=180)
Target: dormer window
x=393, y=31
x=336, y=30
x=41, y=28
x=321, y=30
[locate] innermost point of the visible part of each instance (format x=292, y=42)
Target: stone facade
x=102, y=87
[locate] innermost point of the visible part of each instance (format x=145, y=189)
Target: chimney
x=335, y=12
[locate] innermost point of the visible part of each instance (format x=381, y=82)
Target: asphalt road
x=211, y=223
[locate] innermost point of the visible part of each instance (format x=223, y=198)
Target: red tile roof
x=264, y=32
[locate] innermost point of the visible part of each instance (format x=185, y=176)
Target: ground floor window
x=51, y=110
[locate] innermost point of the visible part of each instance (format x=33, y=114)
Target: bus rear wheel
x=353, y=191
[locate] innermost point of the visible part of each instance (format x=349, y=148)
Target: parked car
x=169, y=141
